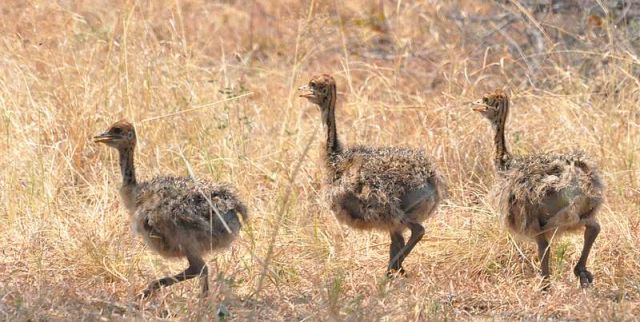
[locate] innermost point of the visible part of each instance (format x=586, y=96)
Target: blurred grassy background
x=212, y=85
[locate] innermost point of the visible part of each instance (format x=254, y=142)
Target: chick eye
x=485, y=100
x=313, y=85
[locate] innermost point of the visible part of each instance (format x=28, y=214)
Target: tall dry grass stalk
x=214, y=82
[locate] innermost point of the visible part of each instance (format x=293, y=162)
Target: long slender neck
x=502, y=156
x=127, y=167
x=333, y=146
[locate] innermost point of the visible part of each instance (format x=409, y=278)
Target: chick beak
x=306, y=91
x=479, y=106
x=103, y=138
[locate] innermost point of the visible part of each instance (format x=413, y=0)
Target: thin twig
x=198, y=107
x=280, y=214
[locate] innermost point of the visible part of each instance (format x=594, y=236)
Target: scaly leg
x=592, y=229
x=397, y=243
x=543, y=254
x=197, y=267
x=417, y=231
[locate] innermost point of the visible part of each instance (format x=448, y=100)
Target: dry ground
x=211, y=85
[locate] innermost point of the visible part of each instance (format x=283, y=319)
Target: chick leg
x=397, y=243
x=417, y=232
x=197, y=267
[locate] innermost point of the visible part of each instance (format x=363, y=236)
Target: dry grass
x=68, y=69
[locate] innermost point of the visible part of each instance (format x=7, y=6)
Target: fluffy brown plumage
x=386, y=188
x=380, y=179
x=545, y=184
x=543, y=195
x=176, y=216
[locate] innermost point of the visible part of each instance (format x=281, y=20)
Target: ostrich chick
x=178, y=217
x=543, y=195
x=387, y=188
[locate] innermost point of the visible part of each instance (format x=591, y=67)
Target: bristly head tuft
x=119, y=135
x=494, y=106
x=320, y=89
